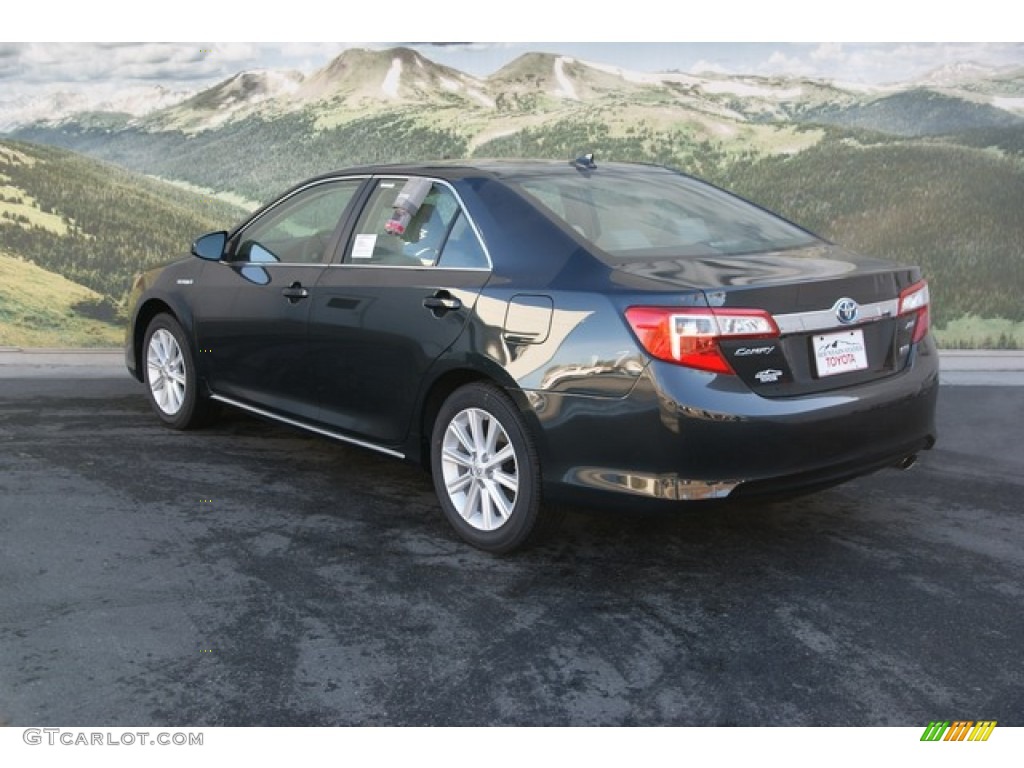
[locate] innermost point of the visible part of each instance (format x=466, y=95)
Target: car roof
x=495, y=168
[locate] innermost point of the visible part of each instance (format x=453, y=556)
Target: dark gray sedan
x=542, y=332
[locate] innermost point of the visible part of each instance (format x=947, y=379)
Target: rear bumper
x=686, y=435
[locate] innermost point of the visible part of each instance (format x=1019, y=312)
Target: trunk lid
x=837, y=313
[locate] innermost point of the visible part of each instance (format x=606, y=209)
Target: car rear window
x=649, y=213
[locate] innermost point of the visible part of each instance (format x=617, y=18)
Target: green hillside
x=918, y=112
x=679, y=146
x=955, y=211
x=94, y=223
x=41, y=309
x=258, y=159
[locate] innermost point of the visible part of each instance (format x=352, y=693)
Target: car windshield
x=653, y=213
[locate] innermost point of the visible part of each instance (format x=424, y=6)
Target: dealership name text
x=54, y=736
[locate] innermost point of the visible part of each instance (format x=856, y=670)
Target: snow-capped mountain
x=360, y=76
x=958, y=73
x=238, y=96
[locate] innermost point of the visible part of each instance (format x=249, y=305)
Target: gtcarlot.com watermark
x=71, y=738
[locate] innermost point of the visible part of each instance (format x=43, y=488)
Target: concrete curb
x=16, y=363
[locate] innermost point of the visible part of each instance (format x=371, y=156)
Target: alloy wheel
x=165, y=365
x=480, y=469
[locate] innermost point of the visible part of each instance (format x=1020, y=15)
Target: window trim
x=377, y=178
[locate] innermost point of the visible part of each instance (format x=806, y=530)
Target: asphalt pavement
x=251, y=574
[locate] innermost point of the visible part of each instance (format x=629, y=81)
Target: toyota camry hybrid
x=537, y=332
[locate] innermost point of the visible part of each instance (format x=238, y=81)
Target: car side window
x=299, y=230
x=463, y=250
x=423, y=238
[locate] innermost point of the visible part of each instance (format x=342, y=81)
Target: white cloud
x=882, y=62
x=780, y=63
x=703, y=65
x=30, y=68
x=828, y=52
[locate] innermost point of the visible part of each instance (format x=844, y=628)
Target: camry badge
x=846, y=310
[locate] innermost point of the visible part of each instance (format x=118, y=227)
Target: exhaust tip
x=906, y=462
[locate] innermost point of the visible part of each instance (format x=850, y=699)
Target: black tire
x=475, y=466
x=172, y=384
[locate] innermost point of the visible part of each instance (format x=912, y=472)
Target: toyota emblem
x=846, y=311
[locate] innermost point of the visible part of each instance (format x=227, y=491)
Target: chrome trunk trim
x=826, y=319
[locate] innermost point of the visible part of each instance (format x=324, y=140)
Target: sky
x=730, y=39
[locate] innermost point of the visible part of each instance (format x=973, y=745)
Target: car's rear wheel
x=171, y=380
x=485, y=468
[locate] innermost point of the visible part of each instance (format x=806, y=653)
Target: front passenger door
x=251, y=325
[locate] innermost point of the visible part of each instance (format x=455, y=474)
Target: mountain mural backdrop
x=929, y=172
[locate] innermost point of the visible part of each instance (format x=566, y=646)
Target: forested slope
x=92, y=222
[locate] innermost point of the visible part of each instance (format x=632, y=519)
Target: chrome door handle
x=442, y=302
x=295, y=292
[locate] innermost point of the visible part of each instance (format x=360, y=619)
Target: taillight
x=690, y=336
x=914, y=301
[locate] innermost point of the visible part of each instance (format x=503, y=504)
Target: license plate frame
x=838, y=353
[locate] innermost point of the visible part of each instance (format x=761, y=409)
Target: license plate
x=840, y=353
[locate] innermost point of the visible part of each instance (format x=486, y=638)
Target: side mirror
x=210, y=246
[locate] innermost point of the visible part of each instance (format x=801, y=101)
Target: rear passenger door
x=391, y=307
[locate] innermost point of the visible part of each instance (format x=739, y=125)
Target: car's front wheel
x=171, y=381
x=485, y=468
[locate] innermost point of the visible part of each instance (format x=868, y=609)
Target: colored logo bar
x=958, y=730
